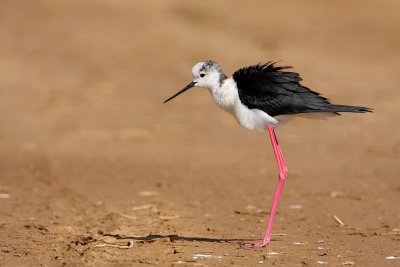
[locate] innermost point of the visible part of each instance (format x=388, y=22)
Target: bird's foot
x=256, y=245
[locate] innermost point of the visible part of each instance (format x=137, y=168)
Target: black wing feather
x=278, y=92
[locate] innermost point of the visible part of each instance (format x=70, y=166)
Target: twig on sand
x=128, y=246
x=339, y=221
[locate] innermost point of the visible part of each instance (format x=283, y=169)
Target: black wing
x=278, y=92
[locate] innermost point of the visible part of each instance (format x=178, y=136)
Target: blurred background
x=84, y=133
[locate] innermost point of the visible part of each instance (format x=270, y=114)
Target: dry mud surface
x=96, y=171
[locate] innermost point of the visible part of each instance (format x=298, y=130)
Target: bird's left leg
x=283, y=171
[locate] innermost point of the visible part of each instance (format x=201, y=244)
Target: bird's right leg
x=283, y=171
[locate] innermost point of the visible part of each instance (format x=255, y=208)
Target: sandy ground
x=90, y=158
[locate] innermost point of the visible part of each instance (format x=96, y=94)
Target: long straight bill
x=187, y=87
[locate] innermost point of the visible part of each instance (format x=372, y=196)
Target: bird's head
x=205, y=74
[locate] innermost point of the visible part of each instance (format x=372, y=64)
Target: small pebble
x=348, y=263
x=299, y=243
x=147, y=193
x=4, y=195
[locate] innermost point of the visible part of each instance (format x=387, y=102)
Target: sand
x=96, y=171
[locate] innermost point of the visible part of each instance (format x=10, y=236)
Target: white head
x=208, y=74
x=205, y=74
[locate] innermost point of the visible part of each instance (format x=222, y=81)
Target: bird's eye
x=202, y=74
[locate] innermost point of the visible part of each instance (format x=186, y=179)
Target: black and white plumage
x=257, y=94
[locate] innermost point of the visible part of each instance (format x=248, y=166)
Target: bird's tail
x=344, y=108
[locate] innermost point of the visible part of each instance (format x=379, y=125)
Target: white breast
x=227, y=98
x=225, y=95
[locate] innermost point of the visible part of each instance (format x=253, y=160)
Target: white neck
x=225, y=95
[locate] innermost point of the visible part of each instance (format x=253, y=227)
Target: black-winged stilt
x=258, y=96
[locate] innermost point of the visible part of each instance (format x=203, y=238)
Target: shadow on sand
x=153, y=237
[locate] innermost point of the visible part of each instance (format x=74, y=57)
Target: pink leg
x=283, y=171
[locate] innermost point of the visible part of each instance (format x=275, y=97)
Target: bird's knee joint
x=283, y=173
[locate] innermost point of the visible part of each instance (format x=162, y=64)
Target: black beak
x=187, y=87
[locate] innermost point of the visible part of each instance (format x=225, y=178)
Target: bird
x=261, y=97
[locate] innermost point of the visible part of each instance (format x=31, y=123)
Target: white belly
x=253, y=119
x=227, y=98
